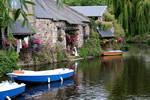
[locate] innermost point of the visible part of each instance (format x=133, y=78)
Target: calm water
x=124, y=77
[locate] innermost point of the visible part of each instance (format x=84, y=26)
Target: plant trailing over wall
x=109, y=17
x=105, y=25
x=8, y=61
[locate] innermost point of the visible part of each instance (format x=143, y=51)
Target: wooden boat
x=10, y=89
x=42, y=76
x=112, y=53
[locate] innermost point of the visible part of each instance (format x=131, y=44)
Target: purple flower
x=38, y=49
x=85, y=37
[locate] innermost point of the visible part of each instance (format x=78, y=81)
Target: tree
x=85, y=2
x=9, y=15
x=133, y=15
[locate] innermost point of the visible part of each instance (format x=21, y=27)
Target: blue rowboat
x=42, y=76
x=10, y=89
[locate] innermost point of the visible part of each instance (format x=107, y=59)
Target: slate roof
x=40, y=12
x=106, y=34
x=91, y=11
x=19, y=30
x=50, y=10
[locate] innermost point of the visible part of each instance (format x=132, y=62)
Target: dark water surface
x=124, y=77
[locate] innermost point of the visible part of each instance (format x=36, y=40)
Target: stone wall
x=82, y=28
x=47, y=31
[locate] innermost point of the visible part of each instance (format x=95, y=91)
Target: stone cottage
x=52, y=21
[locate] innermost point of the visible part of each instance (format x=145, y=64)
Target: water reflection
x=132, y=82
x=37, y=91
x=124, y=77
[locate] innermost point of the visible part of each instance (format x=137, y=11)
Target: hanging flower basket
x=35, y=43
x=60, y=38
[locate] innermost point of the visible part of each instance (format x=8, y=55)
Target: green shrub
x=8, y=61
x=61, y=54
x=109, y=17
x=83, y=52
x=91, y=47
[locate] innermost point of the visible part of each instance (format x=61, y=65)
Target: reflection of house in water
x=109, y=63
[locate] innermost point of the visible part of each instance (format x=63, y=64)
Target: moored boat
x=112, y=53
x=42, y=76
x=10, y=89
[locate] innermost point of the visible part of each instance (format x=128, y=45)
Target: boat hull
x=107, y=53
x=42, y=78
x=12, y=93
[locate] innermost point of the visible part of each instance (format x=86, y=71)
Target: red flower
x=25, y=45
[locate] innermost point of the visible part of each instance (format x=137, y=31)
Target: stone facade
x=47, y=30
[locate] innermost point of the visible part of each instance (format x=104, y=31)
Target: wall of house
x=47, y=31
x=81, y=33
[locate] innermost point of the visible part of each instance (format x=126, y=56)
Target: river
x=125, y=77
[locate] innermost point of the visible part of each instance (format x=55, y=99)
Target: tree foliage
x=8, y=15
x=85, y=2
x=134, y=15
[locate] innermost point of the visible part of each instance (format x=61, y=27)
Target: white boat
x=42, y=76
x=10, y=89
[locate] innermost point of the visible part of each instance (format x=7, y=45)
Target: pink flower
x=25, y=45
x=120, y=39
x=76, y=34
x=6, y=42
x=37, y=41
x=63, y=37
x=75, y=39
x=68, y=36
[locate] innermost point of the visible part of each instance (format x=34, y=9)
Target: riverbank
x=138, y=39
x=66, y=60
